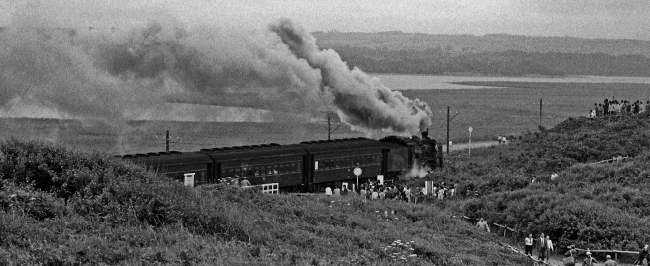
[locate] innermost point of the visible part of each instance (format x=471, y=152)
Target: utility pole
x=167, y=141
x=447, y=130
x=540, y=111
x=329, y=126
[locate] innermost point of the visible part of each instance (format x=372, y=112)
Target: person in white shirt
x=528, y=247
x=328, y=191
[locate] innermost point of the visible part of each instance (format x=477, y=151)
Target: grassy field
x=511, y=109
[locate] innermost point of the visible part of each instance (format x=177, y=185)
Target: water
x=429, y=82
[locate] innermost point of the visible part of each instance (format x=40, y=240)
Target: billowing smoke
x=416, y=170
x=115, y=74
x=360, y=100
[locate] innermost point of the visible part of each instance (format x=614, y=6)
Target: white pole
x=470, y=144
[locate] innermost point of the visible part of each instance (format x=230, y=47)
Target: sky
x=595, y=19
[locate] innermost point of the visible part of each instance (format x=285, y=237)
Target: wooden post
x=447, y=129
x=167, y=141
x=329, y=127
x=540, y=111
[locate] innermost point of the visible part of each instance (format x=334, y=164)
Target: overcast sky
x=628, y=19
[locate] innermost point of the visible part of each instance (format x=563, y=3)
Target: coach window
x=256, y=169
x=294, y=168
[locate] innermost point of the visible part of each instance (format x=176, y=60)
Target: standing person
x=528, y=244
x=499, y=139
x=542, y=248
x=589, y=260
x=482, y=224
x=549, y=246
x=328, y=191
x=337, y=191
x=606, y=107
x=643, y=256
x=610, y=262
x=245, y=182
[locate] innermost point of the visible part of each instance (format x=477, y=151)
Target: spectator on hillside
x=483, y=225
x=499, y=138
x=643, y=256
x=245, y=182
x=592, y=113
x=549, y=246
x=337, y=191
x=606, y=107
x=374, y=195
x=610, y=262
x=528, y=245
x=641, y=107
x=618, y=158
x=599, y=110
x=504, y=140
x=542, y=247
x=589, y=260
x=328, y=191
x=569, y=256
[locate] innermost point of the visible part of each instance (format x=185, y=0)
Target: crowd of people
x=544, y=247
x=614, y=107
x=374, y=190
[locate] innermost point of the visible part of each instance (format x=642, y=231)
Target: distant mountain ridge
x=497, y=54
x=396, y=40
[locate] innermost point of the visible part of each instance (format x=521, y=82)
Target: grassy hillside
x=59, y=207
x=598, y=206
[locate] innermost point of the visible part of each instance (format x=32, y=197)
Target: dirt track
x=464, y=146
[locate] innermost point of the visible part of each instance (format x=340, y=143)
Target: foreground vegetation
x=597, y=206
x=59, y=207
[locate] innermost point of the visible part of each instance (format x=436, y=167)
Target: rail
x=611, y=160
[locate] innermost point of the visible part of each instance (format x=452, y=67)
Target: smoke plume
x=114, y=74
x=416, y=170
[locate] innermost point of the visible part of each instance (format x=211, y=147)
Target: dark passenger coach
x=331, y=162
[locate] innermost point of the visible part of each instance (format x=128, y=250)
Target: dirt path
x=465, y=146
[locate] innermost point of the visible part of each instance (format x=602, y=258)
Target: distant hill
x=498, y=54
x=395, y=40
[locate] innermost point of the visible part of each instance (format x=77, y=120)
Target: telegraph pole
x=447, y=129
x=329, y=126
x=540, y=111
x=167, y=141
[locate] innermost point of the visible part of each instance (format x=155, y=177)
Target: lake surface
x=430, y=82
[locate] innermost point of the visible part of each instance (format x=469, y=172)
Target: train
x=308, y=166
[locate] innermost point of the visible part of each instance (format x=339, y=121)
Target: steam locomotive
x=305, y=167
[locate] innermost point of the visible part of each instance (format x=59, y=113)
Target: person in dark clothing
x=542, y=247
x=606, y=107
x=643, y=256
